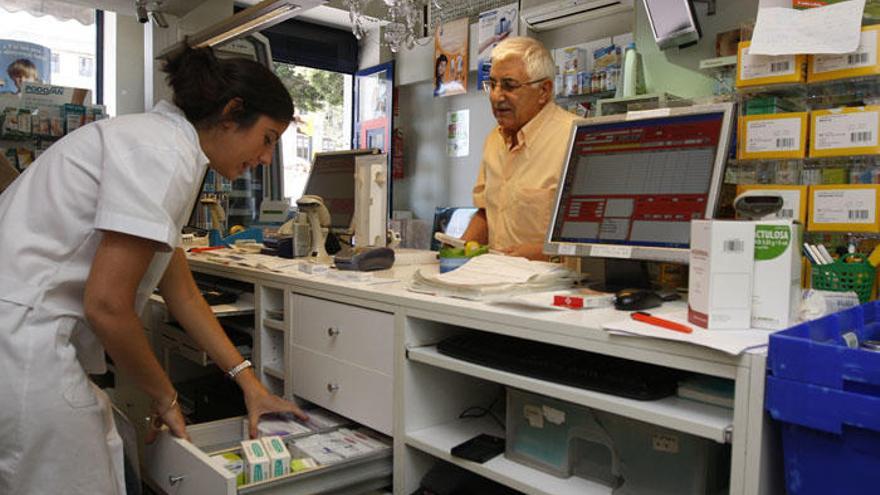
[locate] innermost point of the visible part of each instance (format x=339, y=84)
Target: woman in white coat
x=86, y=234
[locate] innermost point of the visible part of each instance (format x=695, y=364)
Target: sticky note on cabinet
x=844, y=208
x=845, y=131
x=794, y=200
x=759, y=70
x=781, y=135
x=862, y=62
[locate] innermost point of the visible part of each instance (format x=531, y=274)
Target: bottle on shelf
x=632, y=79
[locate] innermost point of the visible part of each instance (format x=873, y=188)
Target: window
x=62, y=52
x=322, y=101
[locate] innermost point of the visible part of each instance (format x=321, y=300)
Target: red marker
x=660, y=322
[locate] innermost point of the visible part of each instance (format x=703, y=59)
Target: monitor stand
x=624, y=274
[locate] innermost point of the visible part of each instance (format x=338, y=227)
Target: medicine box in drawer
x=179, y=467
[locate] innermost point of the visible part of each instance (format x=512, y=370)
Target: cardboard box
x=760, y=70
x=844, y=208
x=573, y=60
x=845, y=131
x=794, y=200
x=781, y=135
x=232, y=463
x=862, y=62
x=776, y=288
x=279, y=456
x=720, y=273
x=256, y=461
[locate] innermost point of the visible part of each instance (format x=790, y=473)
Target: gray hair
x=538, y=61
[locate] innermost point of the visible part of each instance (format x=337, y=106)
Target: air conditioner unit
x=559, y=13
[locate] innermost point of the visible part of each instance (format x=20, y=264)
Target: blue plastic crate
x=830, y=438
x=814, y=352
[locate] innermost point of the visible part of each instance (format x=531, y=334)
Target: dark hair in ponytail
x=203, y=84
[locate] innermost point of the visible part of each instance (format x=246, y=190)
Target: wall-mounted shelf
x=718, y=63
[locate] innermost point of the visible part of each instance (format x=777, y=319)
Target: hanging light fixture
x=403, y=19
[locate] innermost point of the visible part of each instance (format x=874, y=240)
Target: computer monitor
x=673, y=22
x=332, y=177
x=631, y=186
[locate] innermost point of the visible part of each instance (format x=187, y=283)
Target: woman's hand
x=259, y=401
x=172, y=418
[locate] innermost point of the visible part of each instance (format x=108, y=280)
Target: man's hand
x=531, y=251
x=259, y=402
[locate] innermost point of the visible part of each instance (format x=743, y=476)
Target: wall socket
x=665, y=443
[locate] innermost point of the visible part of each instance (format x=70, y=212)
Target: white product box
x=720, y=272
x=574, y=60
x=256, y=460
x=776, y=288
x=279, y=456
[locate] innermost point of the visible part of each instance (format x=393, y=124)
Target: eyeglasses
x=507, y=85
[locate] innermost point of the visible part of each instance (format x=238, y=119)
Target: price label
x=609, y=251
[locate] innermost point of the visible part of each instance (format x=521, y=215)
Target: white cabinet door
x=357, y=393
x=349, y=333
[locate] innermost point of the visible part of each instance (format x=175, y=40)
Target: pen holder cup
x=850, y=273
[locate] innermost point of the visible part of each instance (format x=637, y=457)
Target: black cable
x=479, y=412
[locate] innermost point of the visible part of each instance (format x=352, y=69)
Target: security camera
x=140, y=8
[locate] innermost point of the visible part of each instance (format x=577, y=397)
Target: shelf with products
x=649, y=101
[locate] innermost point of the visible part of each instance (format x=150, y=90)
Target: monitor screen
x=639, y=183
x=332, y=178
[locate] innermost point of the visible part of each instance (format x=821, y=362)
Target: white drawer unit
x=174, y=339
x=349, y=333
x=357, y=393
x=178, y=467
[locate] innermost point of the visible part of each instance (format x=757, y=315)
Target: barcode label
x=856, y=58
x=858, y=214
x=780, y=66
x=860, y=137
x=785, y=142
x=733, y=246
x=785, y=213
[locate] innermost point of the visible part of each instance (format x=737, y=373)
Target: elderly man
x=523, y=156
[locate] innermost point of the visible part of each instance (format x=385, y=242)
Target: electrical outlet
x=665, y=443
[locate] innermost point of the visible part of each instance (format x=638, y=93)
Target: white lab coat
x=135, y=174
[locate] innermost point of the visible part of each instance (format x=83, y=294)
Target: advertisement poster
x=494, y=26
x=451, y=58
x=22, y=62
x=457, y=129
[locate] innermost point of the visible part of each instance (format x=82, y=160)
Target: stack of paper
x=492, y=275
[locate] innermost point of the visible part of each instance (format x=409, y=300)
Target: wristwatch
x=239, y=368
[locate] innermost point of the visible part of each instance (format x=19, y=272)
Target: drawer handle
x=332, y=332
x=173, y=480
x=332, y=387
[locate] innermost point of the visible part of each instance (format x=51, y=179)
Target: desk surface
x=572, y=328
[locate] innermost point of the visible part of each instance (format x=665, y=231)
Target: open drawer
x=178, y=467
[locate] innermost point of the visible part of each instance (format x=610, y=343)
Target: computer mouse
x=636, y=299
x=380, y=258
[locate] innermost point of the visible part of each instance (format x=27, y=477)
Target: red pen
x=660, y=322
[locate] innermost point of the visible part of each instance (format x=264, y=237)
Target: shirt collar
x=176, y=115
x=531, y=128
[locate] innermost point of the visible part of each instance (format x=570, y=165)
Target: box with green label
x=776, y=289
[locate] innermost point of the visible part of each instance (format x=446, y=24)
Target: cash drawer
x=349, y=333
x=178, y=467
x=357, y=393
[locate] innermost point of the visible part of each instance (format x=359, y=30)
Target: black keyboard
x=564, y=365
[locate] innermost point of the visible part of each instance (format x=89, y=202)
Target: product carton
x=232, y=463
x=256, y=460
x=720, y=271
x=776, y=288
x=279, y=456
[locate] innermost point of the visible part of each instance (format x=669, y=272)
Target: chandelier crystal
x=402, y=20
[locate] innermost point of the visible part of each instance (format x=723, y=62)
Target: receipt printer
x=366, y=260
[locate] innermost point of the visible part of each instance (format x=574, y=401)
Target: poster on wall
x=22, y=62
x=457, y=133
x=451, y=58
x=494, y=26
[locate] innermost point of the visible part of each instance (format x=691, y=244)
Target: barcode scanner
x=755, y=204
